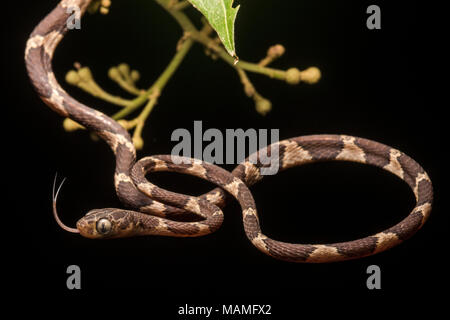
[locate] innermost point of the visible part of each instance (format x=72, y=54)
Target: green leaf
x=221, y=16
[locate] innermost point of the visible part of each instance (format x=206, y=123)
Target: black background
x=373, y=86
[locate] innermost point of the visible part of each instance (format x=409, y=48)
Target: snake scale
x=160, y=212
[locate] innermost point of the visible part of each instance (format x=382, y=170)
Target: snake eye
x=103, y=226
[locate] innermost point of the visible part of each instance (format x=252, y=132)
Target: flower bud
x=276, y=51
x=113, y=73
x=104, y=10
x=124, y=69
x=69, y=125
x=263, y=106
x=293, y=76
x=85, y=74
x=311, y=75
x=73, y=78
x=135, y=75
x=138, y=142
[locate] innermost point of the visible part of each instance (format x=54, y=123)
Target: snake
x=151, y=210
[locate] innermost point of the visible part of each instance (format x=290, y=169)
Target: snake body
x=160, y=212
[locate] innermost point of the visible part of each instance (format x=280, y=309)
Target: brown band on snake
x=160, y=212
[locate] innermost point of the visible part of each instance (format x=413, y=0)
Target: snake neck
x=39, y=52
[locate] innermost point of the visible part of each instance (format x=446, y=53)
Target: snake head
x=107, y=223
x=101, y=223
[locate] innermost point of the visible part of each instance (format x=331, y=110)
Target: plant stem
x=181, y=5
x=95, y=90
x=252, y=67
x=186, y=24
x=128, y=85
x=141, y=119
x=160, y=82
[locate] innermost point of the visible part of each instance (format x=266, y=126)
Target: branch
x=160, y=82
x=127, y=79
x=291, y=76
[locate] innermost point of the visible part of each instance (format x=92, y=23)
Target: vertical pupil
x=103, y=226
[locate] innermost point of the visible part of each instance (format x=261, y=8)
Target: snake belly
x=156, y=211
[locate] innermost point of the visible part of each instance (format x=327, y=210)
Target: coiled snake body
x=160, y=212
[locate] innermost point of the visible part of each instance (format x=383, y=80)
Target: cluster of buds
x=295, y=76
x=100, y=5
x=292, y=76
x=127, y=78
